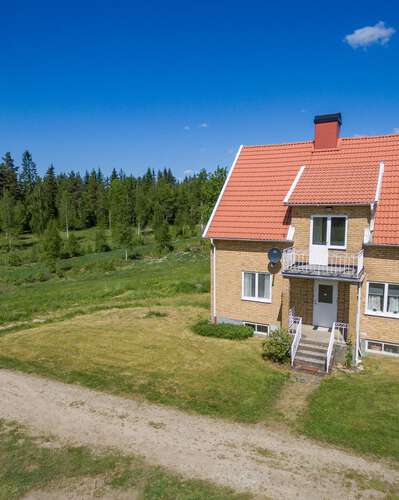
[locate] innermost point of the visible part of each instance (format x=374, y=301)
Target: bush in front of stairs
x=277, y=346
x=222, y=330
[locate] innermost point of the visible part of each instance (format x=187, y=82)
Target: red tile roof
x=336, y=185
x=252, y=204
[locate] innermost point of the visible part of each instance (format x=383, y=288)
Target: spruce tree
x=52, y=242
x=28, y=176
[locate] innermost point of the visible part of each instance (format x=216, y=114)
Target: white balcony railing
x=344, y=266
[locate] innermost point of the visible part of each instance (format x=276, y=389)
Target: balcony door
x=325, y=298
x=326, y=232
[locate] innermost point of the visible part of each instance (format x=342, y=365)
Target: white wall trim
x=213, y=280
x=294, y=184
x=222, y=192
x=379, y=182
x=358, y=309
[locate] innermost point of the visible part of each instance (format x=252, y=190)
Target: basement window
x=256, y=286
x=382, y=347
x=383, y=299
x=258, y=328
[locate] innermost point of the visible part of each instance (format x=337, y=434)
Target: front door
x=325, y=303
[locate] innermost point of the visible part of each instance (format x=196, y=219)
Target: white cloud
x=188, y=173
x=396, y=130
x=203, y=125
x=186, y=127
x=363, y=37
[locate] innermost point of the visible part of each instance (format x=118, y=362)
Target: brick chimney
x=326, y=131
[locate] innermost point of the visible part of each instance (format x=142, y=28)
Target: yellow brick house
x=305, y=235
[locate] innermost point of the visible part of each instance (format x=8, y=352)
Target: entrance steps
x=312, y=351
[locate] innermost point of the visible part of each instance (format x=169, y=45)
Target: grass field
x=38, y=464
x=359, y=411
x=100, y=280
x=94, y=320
x=130, y=352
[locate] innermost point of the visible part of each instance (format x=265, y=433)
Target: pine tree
x=38, y=209
x=72, y=246
x=28, y=177
x=8, y=175
x=52, y=242
x=163, y=238
x=11, y=217
x=50, y=188
x=100, y=241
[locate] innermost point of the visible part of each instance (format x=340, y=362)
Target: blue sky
x=130, y=84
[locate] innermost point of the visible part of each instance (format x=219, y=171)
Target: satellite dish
x=274, y=255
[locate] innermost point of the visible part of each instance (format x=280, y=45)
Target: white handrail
x=341, y=332
x=297, y=339
x=341, y=265
x=330, y=348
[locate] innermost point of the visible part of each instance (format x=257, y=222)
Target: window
x=382, y=347
x=320, y=231
x=257, y=286
x=330, y=231
x=383, y=299
x=326, y=294
x=258, y=328
x=338, y=228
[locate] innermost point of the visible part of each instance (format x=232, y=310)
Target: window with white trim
x=256, y=286
x=258, y=328
x=383, y=299
x=329, y=230
x=382, y=347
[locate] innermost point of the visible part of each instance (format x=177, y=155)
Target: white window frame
x=256, y=298
x=384, y=313
x=382, y=352
x=328, y=236
x=255, y=325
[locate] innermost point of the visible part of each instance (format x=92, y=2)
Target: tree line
x=124, y=204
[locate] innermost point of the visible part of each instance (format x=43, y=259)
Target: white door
x=318, y=248
x=325, y=303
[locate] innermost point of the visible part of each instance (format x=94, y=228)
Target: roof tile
x=252, y=206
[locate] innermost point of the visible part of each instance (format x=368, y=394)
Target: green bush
x=277, y=346
x=100, y=241
x=222, y=330
x=190, y=287
x=71, y=247
x=14, y=259
x=156, y=314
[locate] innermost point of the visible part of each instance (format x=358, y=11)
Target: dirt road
x=244, y=457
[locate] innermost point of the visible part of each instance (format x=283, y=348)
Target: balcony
x=345, y=267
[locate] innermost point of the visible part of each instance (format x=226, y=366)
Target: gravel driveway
x=245, y=457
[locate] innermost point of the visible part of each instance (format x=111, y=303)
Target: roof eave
x=329, y=203
x=231, y=238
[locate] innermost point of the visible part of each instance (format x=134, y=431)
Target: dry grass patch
x=158, y=357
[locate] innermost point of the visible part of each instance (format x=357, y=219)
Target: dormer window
x=329, y=231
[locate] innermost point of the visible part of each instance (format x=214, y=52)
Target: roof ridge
x=277, y=144
x=310, y=141
x=366, y=137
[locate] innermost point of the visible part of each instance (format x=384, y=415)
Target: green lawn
x=94, y=280
x=360, y=411
x=28, y=463
x=131, y=352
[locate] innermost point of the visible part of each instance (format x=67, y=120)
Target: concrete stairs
x=311, y=354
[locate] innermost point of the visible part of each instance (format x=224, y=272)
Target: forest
x=122, y=206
